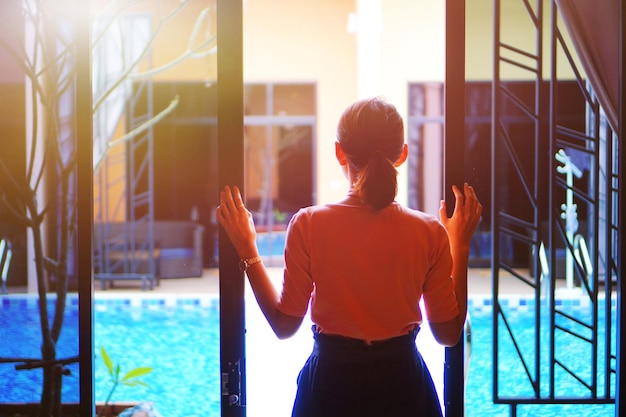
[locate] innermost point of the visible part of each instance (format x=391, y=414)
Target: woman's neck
x=352, y=198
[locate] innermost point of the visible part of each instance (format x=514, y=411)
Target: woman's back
x=369, y=269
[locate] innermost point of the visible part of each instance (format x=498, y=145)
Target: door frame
x=230, y=133
x=454, y=173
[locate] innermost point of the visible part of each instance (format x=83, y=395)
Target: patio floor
x=479, y=283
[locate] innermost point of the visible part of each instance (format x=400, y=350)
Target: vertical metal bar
x=544, y=130
x=84, y=204
x=454, y=167
x=230, y=172
x=594, y=278
x=152, y=267
x=608, y=267
x=595, y=216
x=495, y=201
x=620, y=395
x=549, y=203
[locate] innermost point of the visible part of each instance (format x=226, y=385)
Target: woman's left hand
x=236, y=219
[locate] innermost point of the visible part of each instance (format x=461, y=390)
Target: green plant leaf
x=128, y=380
x=134, y=373
x=107, y=360
x=134, y=383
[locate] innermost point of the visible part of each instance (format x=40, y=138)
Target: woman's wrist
x=248, y=252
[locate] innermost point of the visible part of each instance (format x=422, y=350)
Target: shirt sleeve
x=438, y=291
x=297, y=280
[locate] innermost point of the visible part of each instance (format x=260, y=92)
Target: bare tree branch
x=50, y=265
x=143, y=127
x=190, y=52
x=124, y=76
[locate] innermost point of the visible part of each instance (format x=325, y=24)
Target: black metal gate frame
x=454, y=169
x=549, y=137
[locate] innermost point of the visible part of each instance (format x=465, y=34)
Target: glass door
x=230, y=111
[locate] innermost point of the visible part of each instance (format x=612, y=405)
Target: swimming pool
x=179, y=337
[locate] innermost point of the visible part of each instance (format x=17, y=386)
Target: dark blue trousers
x=347, y=377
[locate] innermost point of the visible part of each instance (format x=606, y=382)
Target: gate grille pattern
x=555, y=197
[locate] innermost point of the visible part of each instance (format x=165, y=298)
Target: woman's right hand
x=237, y=222
x=460, y=227
x=465, y=218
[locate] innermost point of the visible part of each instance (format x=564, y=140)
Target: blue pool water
x=271, y=244
x=178, y=336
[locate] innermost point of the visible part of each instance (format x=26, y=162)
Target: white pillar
x=368, y=38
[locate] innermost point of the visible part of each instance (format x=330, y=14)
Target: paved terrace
x=479, y=284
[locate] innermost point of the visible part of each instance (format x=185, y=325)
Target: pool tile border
x=476, y=303
x=104, y=301
x=513, y=303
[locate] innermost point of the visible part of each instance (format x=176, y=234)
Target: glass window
x=279, y=159
x=255, y=98
x=294, y=99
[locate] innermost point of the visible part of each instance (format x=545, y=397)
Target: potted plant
x=129, y=379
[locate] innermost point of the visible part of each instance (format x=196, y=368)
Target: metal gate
x=554, y=220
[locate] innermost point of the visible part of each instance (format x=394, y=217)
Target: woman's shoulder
x=306, y=217
x=417, y=214
x=421, y=221
x=328, y=213
x=314, y=211
x=395, y=212
x=306, y=212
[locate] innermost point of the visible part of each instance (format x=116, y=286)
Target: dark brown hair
x=371, y=134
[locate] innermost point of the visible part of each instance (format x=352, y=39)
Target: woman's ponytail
x=377, y=184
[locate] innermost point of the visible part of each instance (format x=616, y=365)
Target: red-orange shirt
x=365, y=271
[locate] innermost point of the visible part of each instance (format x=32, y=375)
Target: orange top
x=365, y=271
